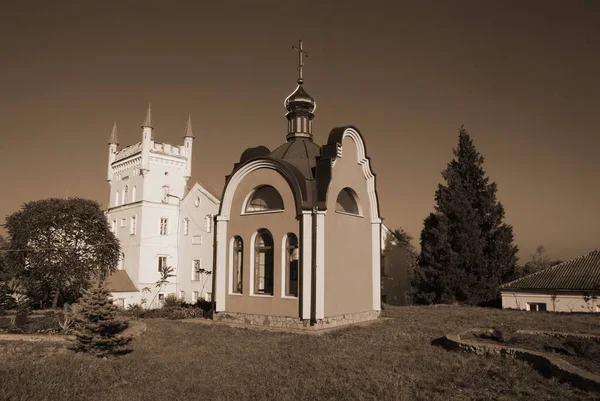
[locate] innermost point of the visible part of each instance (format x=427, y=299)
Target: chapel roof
x=579, y=274
x=300, y=152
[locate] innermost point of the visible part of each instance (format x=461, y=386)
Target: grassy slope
x=392, y=360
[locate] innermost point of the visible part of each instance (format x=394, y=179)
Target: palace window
x=162, y=263
x=125, y=192
x=197, y=240
x=186, y=226
x=117, y=198
x=164, y=226
x=291, y=265
x=197, y=272
x=133, y=228
x=113, y=226
x=133, y=194
x=238, y=265
x=182, y=295
x=263, y=199
x=347, y=202
x=123, y=222
x=263, y=263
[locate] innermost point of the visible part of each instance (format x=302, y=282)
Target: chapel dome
x=300, y=99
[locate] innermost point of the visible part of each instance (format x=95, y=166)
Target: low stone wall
x=290, y=323
x=135, y=329
x=547, y=364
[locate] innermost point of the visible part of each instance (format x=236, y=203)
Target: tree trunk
x=55, y=299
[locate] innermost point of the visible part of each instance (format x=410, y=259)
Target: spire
x=300, y=105
x=114, y=139
x=188, y=131
x=148, y=120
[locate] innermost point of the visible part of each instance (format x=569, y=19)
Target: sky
x=522, y=76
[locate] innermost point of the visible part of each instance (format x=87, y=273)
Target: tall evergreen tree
x=466, y=249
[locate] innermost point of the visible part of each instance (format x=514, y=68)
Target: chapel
x=298, y=232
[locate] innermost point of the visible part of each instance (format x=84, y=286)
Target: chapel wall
x=348, y=241
x=279, y=224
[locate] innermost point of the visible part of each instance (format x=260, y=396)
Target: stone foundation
x=292, y=323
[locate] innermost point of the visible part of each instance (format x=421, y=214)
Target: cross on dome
x=300, y=60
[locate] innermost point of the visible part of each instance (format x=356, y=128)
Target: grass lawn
x=391, y=360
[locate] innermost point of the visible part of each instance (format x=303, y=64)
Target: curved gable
x=342, y=138
x=284, y=169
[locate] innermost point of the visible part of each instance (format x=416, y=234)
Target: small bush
x=504, y=333
x=581, y=346
x=171, y=301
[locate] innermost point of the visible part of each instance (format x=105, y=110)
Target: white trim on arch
x=238, y=177
x=366, y=168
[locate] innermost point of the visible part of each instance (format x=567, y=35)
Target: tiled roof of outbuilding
x=119, y=281
x=579, y=274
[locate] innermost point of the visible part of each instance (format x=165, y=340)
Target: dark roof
x=579, y=274
x=300, y=152
x=119, y=281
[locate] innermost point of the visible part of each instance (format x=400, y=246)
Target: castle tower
x=188, y=143
x=113, y=143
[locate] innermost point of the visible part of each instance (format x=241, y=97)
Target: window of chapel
x=264, y=198
x=263, y=263
x=291, y=265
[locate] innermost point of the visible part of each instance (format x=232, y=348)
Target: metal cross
x=300, y=61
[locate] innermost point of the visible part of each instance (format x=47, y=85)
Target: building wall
x=197, y=244
x=348, y=242
x=245, y=226
x=562, y=302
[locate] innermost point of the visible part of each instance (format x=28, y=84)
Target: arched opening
x=125, y=192
x=347, y=202
x=263, y=263
x=264, y=198
x=133, y=194
x=117, y=198
x=291, y=265
x=238, y=265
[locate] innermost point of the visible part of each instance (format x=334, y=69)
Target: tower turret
x=188, y=143
x=300, y=105
x=147, y=140
x=113, y=143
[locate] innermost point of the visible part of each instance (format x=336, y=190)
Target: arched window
x=264, y=198
x=121, y=261
x=125, y=192
x=238, y=265
x=347, y=202
x=291, y=265
x=133, y=194
x=263, y=263
x=117, y=198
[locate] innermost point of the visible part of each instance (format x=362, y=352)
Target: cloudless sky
x=522, y=76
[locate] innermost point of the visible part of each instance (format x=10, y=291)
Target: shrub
x=98, y=329
x=171, y=301
x=504, y=333
x=580, y=346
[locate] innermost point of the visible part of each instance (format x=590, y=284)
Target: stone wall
x=295, y=323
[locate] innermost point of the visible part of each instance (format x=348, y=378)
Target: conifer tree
x=98, y=327
x=466, y=249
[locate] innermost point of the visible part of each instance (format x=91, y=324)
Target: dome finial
x=300, y=60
